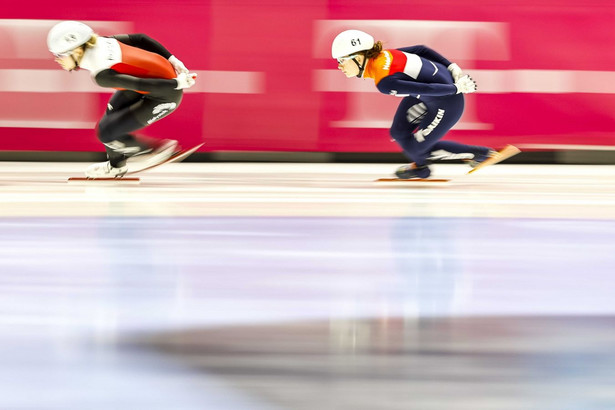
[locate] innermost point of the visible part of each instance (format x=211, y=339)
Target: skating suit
x=431, y=105
x=138, y=67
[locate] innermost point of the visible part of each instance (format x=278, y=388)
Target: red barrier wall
x=266, y=81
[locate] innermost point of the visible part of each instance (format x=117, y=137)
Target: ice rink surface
x=307, y=286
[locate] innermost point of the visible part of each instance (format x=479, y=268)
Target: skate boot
x=478, y=159
x=105, y=170
x=411, y=171
x=152, y=156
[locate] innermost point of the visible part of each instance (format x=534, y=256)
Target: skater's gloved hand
x=455, y=71
x=465, y=85
x=185, y=80
x=178, y=65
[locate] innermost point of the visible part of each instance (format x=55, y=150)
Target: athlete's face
x=66, y=62
x=69, y=61
x=349, y=67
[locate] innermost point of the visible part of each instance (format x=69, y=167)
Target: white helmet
x=350, y=42
x=68, y=35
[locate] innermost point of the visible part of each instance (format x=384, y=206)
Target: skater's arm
x=112, y=79
x=400, y=83
x=143, y=42
x=428, y=53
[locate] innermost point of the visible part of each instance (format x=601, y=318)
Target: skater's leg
x=126, y=114
x=440, y=118
x=407, y=118
x=435, y=123
x=114, y=132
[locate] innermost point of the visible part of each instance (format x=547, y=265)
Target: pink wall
x=266, y=82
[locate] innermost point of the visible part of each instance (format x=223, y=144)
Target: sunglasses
x=342, y=60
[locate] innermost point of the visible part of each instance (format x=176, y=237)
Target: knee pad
x=399, y=133
x=115, y=126
x=103, y=132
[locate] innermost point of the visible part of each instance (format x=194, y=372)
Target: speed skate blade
x=104, y=181
x=505, y=153
x=184, y=154
x=177, y=157
x=398, y=181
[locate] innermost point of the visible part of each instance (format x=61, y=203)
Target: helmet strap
x=75, y=61
x=361, y=66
